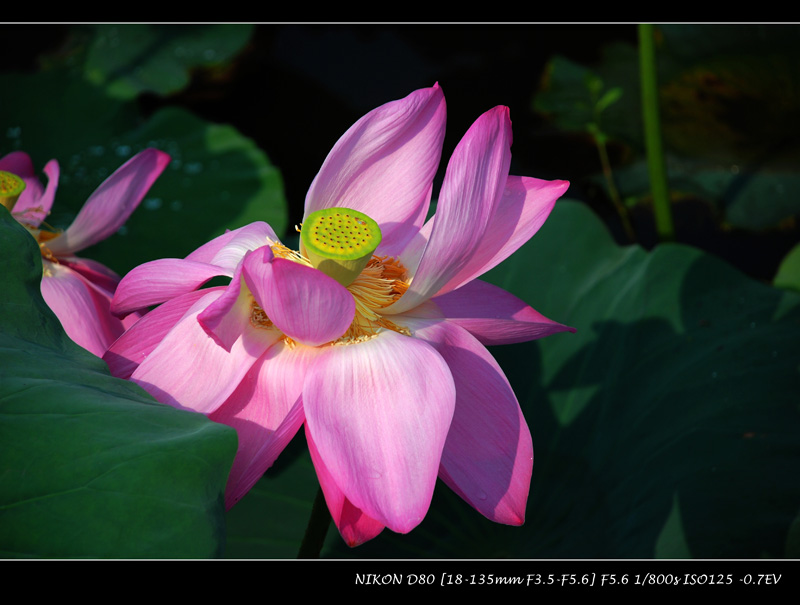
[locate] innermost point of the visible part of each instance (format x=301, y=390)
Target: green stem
x=612, y=189
x=652, y=134
x=317, y=528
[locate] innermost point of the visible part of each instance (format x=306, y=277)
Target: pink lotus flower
x=384, y=363
x=79, y=290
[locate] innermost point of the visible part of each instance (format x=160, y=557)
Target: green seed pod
x=11, y=187
x=339, y=242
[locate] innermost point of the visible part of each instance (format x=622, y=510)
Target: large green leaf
x=92, y=466
x=667, y=426
x=671, y=416
x=217, y=178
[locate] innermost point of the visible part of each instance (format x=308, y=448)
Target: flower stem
x=317, y=528
x=622, y=211
x=652, y=134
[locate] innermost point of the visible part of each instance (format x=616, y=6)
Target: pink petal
x=139, y=340
x=354, y=526
x=525, y=205
x=305, y=304
x=112, y=202
x=384, y=166
x=494, y=316
x=266, y=410
x=82, y=309
x=19, y=163
x=35, y=202
x=189, y=370
x=378, y=412
x=488, y=456
x=473, y=185
x=228, y=250
x=92, y=271
x=160, y=280
x=229, y=316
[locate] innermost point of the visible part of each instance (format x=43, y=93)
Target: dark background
x=296, y=88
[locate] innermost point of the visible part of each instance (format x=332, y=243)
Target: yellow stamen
x=259, y=319
x=282, y=251
x=380, y=284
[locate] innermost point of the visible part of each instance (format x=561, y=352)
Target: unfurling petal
x=473, y=185
x=378, y=412
x=384, y=166
x=494, y=316
x=305, y=304
x=112, y=202
x=266, y=410
x=354, y=526
x=190, y=370
x=488, y=456
x=81, y=307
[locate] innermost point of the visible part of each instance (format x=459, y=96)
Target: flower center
x=11, y=187
x=375, y=282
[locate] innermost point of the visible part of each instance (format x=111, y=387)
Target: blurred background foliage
x=667, y=426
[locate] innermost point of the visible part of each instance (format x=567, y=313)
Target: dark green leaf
x=92, y=466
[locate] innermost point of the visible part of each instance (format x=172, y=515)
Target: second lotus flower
x=79, y=290
x=372, y=334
